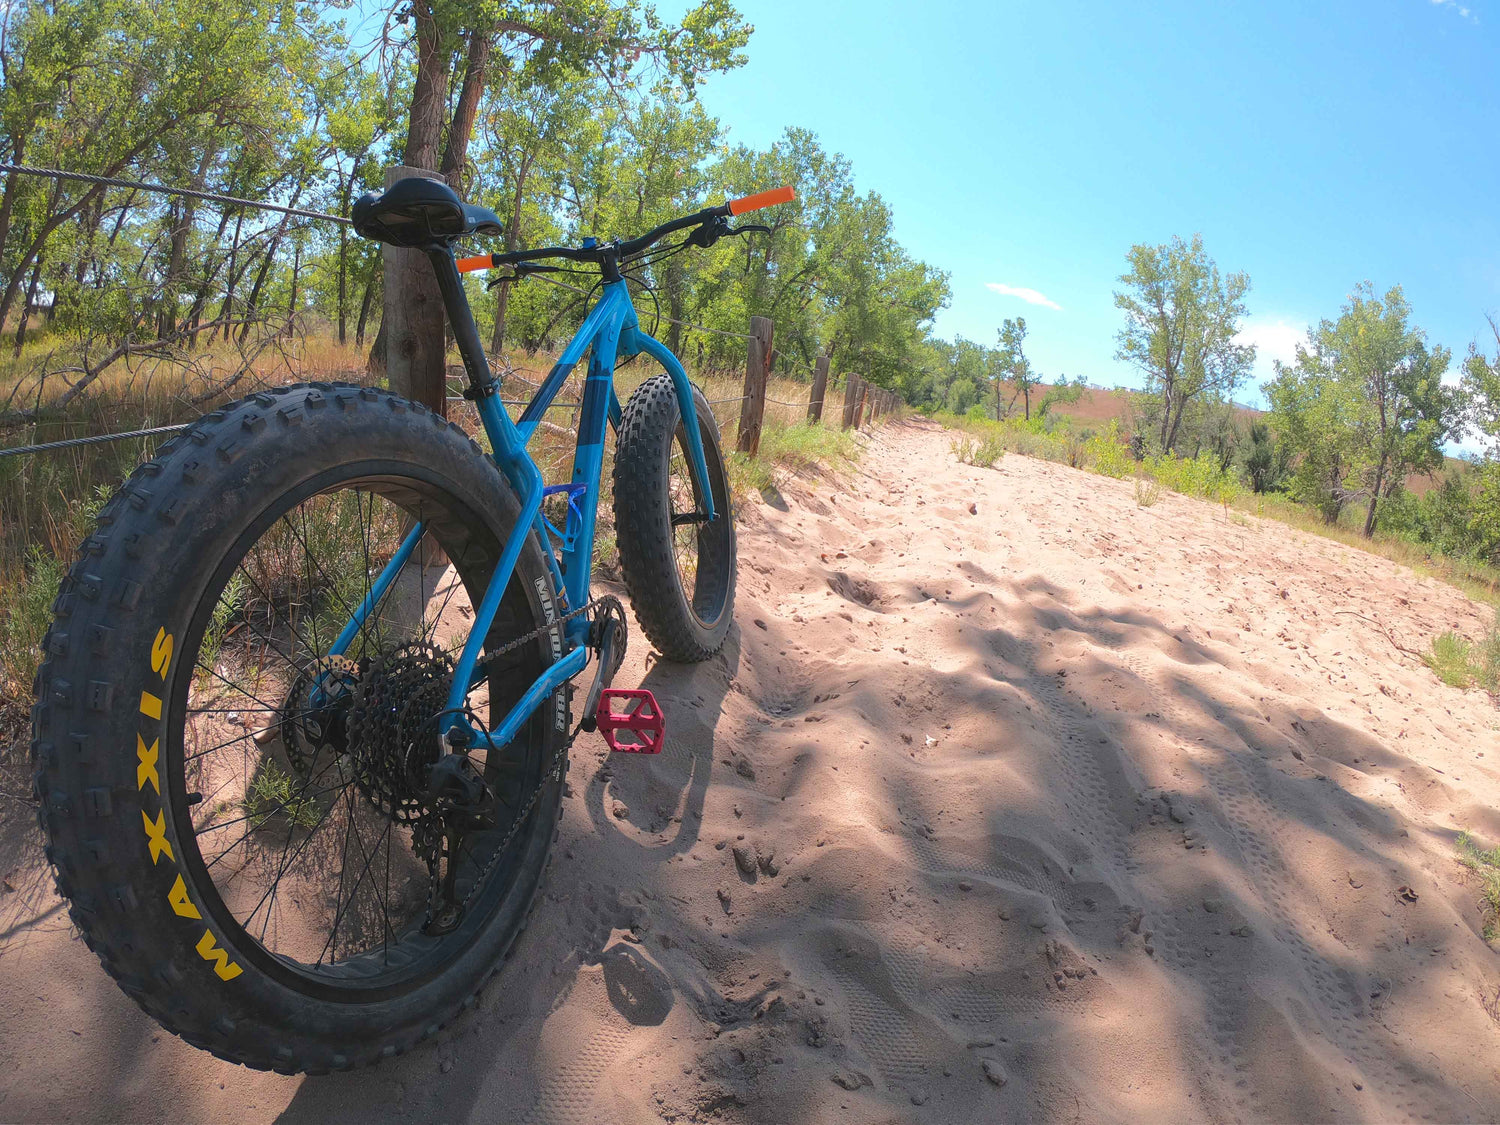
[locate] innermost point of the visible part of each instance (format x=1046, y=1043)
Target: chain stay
x=551, y=777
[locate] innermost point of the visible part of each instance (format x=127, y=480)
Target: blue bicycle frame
x=609, y=332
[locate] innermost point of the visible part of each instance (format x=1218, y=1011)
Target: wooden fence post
x=819, y=389
x=416, y=340
x=851, y=396
x=757, y=369
x=859, y=403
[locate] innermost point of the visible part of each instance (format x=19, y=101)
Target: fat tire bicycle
x=303, y=716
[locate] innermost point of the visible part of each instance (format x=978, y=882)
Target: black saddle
x=417, y=211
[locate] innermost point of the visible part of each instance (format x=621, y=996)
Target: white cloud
x=1273, y=340
x=1030, y=296
x=1463, y=10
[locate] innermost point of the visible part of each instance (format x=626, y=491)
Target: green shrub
x=1458, y=663
x=25, y=612
x=1108, y=453
x=1484, y=862
x=1449, y=660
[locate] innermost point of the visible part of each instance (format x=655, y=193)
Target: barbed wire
x=305, y=213
x=192, y=193
x=95, y=439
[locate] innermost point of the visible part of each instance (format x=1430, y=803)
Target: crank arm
x=602, y=676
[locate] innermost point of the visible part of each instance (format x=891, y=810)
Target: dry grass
x=1147, y=492
x=48, y=501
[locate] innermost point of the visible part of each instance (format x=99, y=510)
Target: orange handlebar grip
x=761, y=199
x=482, y=262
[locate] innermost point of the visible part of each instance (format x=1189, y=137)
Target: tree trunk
x=55, y=219
x=291, y=305
x=512, y=242
x=230, y=276
x=1375, y=498
x=265, y=267
x=429, y=92
x=461, y=128
x=36, y=274
x=210, y=271
x=344, y=258
x=166, y=325
x=8, y=196
x=676, y=283
x=364, y=305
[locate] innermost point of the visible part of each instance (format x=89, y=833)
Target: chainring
x=610, y=608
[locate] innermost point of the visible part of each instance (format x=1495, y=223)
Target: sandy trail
x=1052, y=808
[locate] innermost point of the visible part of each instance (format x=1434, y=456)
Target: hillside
x=1008, y=800
x=1096, y=407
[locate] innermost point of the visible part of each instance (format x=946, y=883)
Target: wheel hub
x=315, y=716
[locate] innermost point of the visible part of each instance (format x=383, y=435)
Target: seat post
x=482, y=382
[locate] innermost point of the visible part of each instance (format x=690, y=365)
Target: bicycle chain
x=427, y=844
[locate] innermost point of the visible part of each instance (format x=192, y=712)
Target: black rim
x=291, y=822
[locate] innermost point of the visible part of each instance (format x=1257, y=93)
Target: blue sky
x=1025, y=147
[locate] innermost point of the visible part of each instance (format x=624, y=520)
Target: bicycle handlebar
x=625, y=249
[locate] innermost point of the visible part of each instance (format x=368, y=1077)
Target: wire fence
x=299, y=212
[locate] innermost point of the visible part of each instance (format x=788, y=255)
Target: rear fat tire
x=105, y=692
x=649, y=427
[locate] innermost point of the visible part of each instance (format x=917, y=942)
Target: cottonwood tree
x=1480, y=390
x=1181, y=320
x=1364, y=404
x=1013, y=366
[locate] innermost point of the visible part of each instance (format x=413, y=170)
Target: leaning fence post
x=819, y=389
x=757, y=369
x=416, y=341
x=859, y=403
x=851, y=396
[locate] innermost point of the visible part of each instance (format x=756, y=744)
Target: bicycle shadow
x=662, y=796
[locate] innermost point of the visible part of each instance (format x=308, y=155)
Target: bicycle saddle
x=418, y=211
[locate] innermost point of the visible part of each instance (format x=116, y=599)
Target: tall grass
x=1461, y=663
x=48, y=501
x=1485, y=863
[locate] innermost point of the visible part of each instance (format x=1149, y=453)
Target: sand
x=1008, y=800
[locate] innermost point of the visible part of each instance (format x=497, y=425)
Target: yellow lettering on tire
x=161, y=653
x=177, y=896
x=150, y=705
x=156, y=836
x=146, y=768
x=226, y=968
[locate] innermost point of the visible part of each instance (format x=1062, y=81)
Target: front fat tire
x=649, y=428
x=101, y=729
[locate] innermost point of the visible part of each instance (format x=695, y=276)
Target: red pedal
x=639, y=714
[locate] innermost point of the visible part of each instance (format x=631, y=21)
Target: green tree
x=1013, y=367
x=1364, y=404
x=1265, y=464
x=1181, y=320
